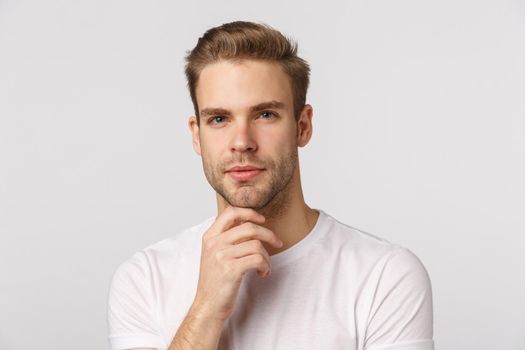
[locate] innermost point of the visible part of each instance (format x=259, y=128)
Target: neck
x=287, y=215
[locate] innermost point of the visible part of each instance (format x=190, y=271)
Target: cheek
x=211, y=147
x=278, y=139
x=209, y=159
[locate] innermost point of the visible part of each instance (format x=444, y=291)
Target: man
x=268, y=272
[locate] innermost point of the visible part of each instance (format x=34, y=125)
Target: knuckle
x=234, y=211
x=205, y=243
x=257, y=245
x=219, y=255
x=207, y=236
x=208, y=243
x=258, y=259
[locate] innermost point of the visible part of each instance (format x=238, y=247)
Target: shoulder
x=142, y=262
x=379, y=259
x=185, y=241
x=393, y=288
x=399, y=308
x=402, y=261
x=357, y=242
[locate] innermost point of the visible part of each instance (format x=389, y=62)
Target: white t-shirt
x=338, y=288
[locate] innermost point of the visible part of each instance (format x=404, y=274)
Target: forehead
x=241, y=84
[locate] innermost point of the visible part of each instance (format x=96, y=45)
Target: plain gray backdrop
x=419, y=119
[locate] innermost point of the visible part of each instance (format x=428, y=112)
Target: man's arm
x=197, y=331
x=401, y=315
x=232, y=246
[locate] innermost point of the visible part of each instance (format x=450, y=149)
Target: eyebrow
x=258, y=107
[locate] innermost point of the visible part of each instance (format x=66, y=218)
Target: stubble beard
x=268, y=193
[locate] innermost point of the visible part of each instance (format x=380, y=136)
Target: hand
x=230, y=247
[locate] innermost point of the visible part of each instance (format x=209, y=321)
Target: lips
x=244, y=173
x=244, y=168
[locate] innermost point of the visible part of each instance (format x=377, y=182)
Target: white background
x=419, y=118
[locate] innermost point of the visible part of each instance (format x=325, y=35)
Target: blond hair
x=248, y=40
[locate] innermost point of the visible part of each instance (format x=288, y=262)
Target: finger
x=233, y=216
x=250, y=262
x=249, y=231
x=247, y=248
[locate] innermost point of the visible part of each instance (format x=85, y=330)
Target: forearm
x=198, y=331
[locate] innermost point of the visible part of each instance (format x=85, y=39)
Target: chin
x=246, y=198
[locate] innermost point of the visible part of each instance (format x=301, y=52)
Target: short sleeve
x=401, y=315
x=131, y=308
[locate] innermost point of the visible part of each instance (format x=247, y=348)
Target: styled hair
x=248, y=40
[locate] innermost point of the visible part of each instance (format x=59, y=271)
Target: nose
x=242, y=139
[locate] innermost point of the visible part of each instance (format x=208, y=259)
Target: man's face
x=246, y=119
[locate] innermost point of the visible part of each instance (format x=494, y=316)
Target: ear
x=304, y=126
x=194, y=129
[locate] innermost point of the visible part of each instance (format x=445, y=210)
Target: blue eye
x=219, y=119
x=213, y=119
x=266, y=113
